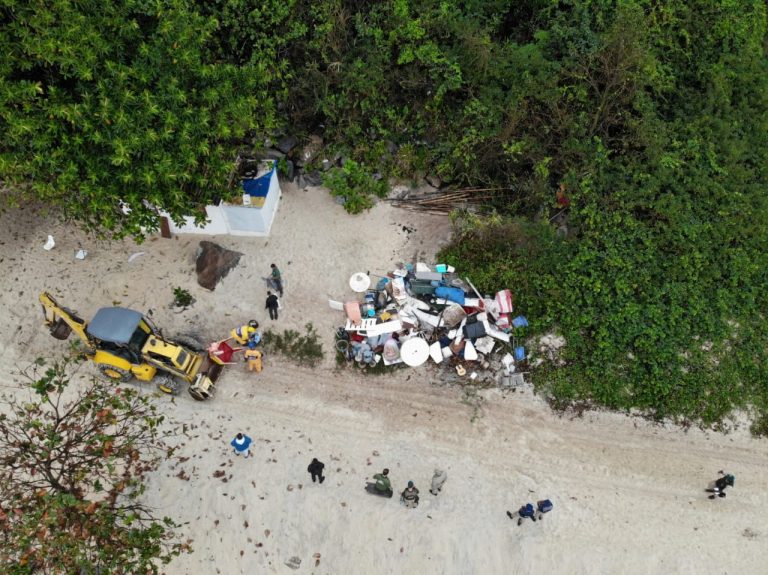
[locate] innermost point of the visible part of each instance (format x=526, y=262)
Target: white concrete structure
x=241, y=219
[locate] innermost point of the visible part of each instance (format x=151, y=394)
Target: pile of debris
x=420, y=314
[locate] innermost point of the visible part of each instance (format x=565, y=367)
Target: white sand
x=628, y=495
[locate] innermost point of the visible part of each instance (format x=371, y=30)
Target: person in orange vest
x=245, y=333
x=253, y=357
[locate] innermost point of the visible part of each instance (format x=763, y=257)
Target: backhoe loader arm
x=61, y=321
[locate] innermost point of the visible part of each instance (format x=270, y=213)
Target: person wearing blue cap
x=242, y=445
x=253, y=357
x=526, y=510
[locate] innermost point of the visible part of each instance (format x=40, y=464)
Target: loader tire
x=112, y=373
x=167, y=384
x=195, y=393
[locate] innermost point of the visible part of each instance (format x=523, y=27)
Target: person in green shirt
x=383, y=485
x=277, y=279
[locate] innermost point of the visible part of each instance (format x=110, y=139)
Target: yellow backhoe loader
x=123, y=344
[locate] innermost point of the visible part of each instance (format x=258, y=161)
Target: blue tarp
x=451, y=294
x=258, y=187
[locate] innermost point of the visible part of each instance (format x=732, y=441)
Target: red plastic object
x=221, y=352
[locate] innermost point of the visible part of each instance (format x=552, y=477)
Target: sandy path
x=628, y=495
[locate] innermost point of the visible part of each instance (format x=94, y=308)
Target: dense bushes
x=654, y=115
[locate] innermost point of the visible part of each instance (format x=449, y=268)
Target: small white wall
x=236, y=220
x=216, y=224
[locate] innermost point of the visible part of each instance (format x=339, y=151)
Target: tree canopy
x=106, y=105
x=73, y=465
x=652, y=114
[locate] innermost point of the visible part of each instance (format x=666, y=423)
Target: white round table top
x=415, y=351
x=360, y=282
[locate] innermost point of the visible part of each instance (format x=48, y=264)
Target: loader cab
x=120, y=331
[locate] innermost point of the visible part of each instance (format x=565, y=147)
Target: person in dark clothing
x=719, y=485
x=410, y=496
x=526, y=510
x=315, y=469
x=272, y=305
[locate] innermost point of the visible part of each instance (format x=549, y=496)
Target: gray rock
x=287, y=144
x=272, y=154
x=313, y=178
x=301, y=182
x=214, y=263
x=290, y=172
x=434, y=180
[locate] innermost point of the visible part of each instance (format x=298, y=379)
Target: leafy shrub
x=356, y=185
x=303, y=349
x=182, y=298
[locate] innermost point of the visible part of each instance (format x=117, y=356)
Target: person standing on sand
x=272, y=305
x=438, y=479
x=277, y=279
x=242, y=445
x=315, y=469
x=410, y=496
x=253, y=357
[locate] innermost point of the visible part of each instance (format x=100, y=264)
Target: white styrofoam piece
x=485, y=345
x=497, y=333
x=470, y=353
x=482, y=316
x=451, y=269
x=508, y=360
x=417, y=304
x=452, y=333
x=435, y=352
x=471, y=302
x=429, y=319
x=386, y=327
x=400, y=273
x=446, y=351
x=337, y=305
x=422, y=267
x=365, y=324
x=398, y=359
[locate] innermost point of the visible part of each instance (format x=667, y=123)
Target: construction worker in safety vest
x=245, y=333
x=253, y=357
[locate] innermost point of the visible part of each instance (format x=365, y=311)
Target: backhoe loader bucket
x=202, y=387
x=60, y=329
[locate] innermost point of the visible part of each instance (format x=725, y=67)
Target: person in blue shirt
x=242, y=445
x=526, y=510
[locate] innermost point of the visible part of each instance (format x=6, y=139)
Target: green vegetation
x=355, y=185
x=304, y=349
x=182, y=298
x=653, y=114
x=72, y=476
